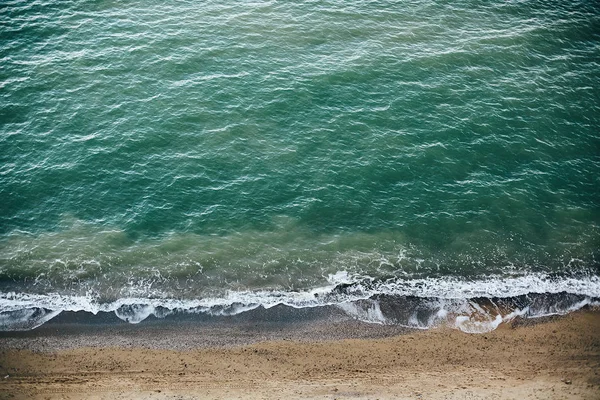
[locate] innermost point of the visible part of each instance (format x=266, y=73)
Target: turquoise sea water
x=193, y=149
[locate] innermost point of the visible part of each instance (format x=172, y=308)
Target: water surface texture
x=240, y=151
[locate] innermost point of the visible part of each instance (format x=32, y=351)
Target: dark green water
x=185, y=149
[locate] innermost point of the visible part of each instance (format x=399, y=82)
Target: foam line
x=364, y=298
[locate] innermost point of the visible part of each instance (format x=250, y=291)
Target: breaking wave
x=473, y=306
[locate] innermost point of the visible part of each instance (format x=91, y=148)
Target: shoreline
x=474, y=313
x=72, y=330
x=315, y=357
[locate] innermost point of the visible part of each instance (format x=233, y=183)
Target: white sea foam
x=441, y=300
x=25, y=319
x=468, y=325
x=466, y=315
x=371, y=313
x=136, y=313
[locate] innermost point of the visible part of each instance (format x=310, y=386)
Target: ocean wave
x=469, y=305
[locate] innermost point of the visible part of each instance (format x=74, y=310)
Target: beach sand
x=550, y=358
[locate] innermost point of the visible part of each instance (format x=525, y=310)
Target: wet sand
x=551, y=358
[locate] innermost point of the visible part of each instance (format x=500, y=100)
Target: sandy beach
x=551, y=358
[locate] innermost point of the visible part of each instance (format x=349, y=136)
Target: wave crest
x=469, y=305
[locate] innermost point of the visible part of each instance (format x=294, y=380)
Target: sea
x=410, y=162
